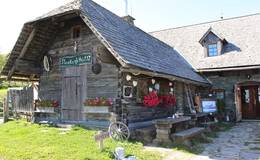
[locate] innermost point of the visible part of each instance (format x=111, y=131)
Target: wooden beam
x=25, y=48
x=20, y=79
x=137, y=71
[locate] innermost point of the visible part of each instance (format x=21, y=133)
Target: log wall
x=104, y=84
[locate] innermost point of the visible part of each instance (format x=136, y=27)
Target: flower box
x=96, y=109
x=98, y=102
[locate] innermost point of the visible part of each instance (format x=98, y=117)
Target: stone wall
x=227, y=80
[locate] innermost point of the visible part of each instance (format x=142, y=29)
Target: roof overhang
x=236, y=68
x=138, y=71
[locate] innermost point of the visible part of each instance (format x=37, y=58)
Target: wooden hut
x=227, y=53
x=92, y=64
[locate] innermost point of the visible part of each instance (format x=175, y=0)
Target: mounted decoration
x=127, y=91
x=47, y=63
x=128, y=77
x=157, y=86
x=135, y=83
x=76, y=60
x=153, y=81
x=96, y=68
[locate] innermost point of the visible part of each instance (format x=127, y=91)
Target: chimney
x=129, y=19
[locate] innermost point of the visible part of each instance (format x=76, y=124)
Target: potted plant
x=221, y=108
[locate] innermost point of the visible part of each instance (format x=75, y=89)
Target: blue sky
x=150, y=15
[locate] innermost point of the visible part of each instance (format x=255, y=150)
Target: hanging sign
x=76, y=60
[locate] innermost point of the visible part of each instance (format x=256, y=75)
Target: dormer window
x=213, y=43
x=212, y=50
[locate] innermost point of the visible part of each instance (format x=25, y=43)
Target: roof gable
x=136, y=47
x=242, y=49
x=129, y=45
x=209, y=32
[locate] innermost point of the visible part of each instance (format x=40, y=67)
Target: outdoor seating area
x=177, y=130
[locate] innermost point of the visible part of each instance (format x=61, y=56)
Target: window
x=212, y=50
x=218, y=94
x=258, y=94
x=246, y=96
x=128, y=91
x=76, y=32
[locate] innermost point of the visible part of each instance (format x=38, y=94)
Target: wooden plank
x=71, y=95
x=188, y=97
x=5, y=110
x=25, y=48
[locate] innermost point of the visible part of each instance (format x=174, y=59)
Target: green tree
x=3, y=58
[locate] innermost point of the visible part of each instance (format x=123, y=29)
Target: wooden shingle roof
x=129, y=44
x=242, y=49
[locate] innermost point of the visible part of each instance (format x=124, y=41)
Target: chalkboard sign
x=76, y=60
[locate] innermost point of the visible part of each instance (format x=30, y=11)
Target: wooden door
x=71, y=107
x=257, y=101
x=250, y=102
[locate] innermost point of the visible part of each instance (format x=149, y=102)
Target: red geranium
x=168, y=100
x=151, y=100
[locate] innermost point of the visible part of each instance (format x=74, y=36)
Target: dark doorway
x=250, y=99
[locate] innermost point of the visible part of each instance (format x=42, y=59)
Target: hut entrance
x=71, y=94
x=249, y=100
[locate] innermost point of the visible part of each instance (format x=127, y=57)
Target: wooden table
x=197, y=115
x=164, y=126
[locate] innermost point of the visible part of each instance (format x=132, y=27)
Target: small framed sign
x=76, y=60
x=209, y=105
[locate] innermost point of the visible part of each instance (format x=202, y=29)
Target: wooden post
x=100, y=138
x=5, y=110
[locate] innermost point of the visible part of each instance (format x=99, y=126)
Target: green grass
x=3, y=93
x=26, y=141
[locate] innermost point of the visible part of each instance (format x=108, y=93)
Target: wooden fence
x=21, y=101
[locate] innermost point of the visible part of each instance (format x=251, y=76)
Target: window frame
x=208, y=49
x=75, y=29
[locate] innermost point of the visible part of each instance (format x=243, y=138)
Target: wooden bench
x=183, y=136
x=209, y=126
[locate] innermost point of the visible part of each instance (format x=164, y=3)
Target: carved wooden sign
x=76, y=60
